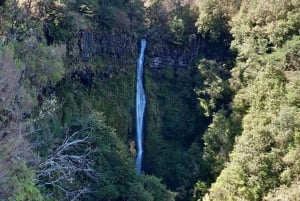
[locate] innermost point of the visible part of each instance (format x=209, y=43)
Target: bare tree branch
x=72, y=158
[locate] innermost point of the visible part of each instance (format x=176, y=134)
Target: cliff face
x=163, y=52
x=113, y=44
x=116, y=45
x=121, y=46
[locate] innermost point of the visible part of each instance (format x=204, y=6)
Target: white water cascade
x=140, y=107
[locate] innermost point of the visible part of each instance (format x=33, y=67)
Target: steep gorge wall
x=172, y=109
x=121, y=46
x=163, y=52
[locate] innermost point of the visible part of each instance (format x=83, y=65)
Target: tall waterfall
x=140, y=107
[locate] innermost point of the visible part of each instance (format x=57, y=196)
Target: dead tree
x=68, y=165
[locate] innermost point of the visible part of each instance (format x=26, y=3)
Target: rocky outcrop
x=120, y=46
x=162, y=52
x=113, y=44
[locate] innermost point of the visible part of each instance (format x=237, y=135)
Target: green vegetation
x=91, y=162
x=256, y=168
x=222, y=82
x=212, y=20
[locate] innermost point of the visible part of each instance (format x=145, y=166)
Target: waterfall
x=140, y=107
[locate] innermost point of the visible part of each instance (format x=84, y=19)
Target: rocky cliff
x=121, y=46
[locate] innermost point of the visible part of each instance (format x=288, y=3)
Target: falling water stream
x=140, y=107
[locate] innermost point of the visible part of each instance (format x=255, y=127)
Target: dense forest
x=222, y=83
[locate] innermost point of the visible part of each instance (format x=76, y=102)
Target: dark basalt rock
x=113, y=44
x=119, y=46
x=165, y=53
x=2, y=2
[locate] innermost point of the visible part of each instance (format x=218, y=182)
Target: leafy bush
x=212, y=21
x=42, y=65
